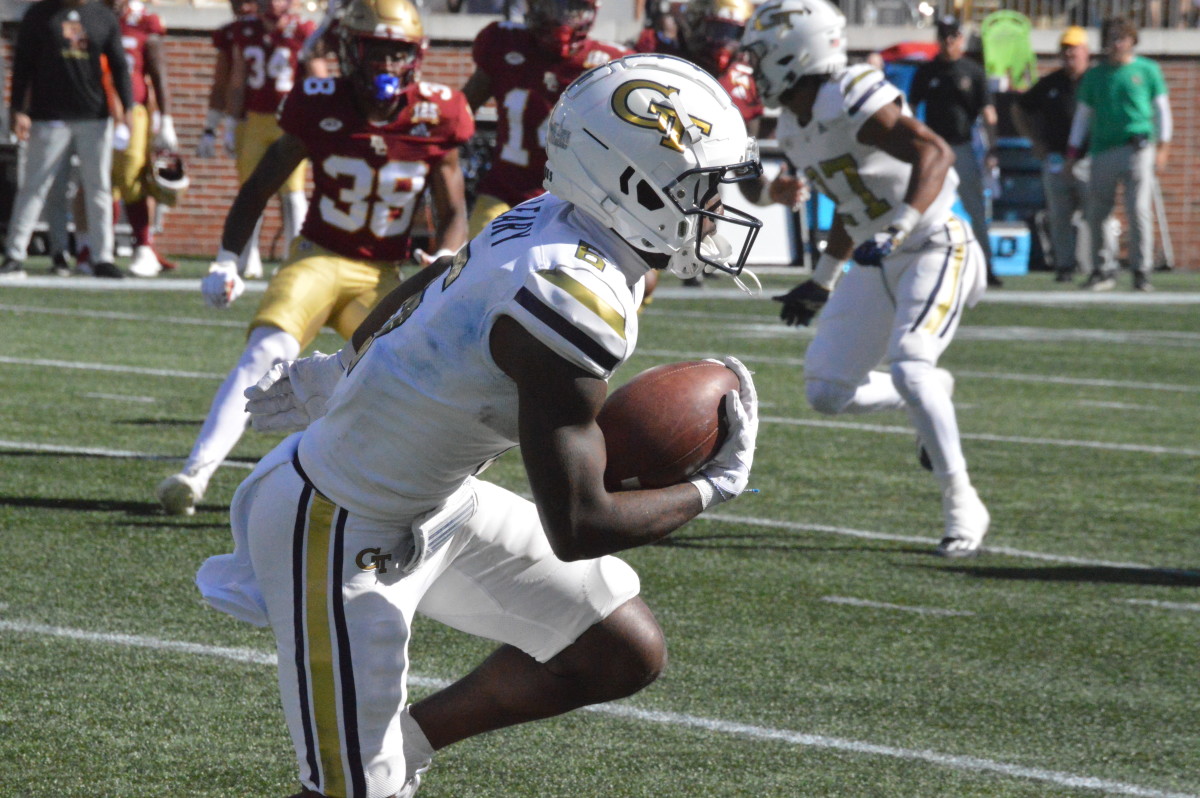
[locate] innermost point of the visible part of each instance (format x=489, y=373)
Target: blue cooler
x=1010, y=248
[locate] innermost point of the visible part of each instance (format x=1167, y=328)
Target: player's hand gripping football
x=726, y=475
x=802, y=303
x=222, y=285
x=292, y=395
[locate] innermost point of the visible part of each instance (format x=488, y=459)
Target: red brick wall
x=194, y=227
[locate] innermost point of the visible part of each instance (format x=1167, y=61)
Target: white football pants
x=903, y=315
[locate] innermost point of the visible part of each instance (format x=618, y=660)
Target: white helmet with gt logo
x=788, y=39
x=642, y=144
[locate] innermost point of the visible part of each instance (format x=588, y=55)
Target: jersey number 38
x=382, y=200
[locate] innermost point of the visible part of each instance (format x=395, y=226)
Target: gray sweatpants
x=49, y=148
x=1135, y=168
x=1066, y=193
x=970, y=191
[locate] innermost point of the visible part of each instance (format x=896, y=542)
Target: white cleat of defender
x=179, y=493
x=145, y=262
x=967, y=521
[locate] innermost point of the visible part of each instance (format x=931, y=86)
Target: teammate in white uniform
x=372, y=513
x=853, y=137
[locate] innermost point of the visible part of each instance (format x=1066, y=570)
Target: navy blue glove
x=802, y=303
x=872, y=252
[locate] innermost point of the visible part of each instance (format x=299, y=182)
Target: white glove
x=293, y=394
x=424, y=258
x=222, y=285
x=166, y=138
x=120, y=139
x=229, y=140
x=207, y=146
x=726, y=475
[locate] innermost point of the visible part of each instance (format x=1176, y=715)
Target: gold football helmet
x=381, y=43
x=713, y=31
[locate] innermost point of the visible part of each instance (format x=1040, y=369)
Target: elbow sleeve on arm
x=1165, y=122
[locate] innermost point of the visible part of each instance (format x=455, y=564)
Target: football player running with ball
x=525, y=67
x=916, y=264
x=378, y=137
x=374, y=510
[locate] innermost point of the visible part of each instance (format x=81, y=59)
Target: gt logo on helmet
x=656, y=115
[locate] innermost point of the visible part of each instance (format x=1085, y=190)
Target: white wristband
x=212, y=119
x=708, y=493
x=827, y=271
x=442, y=253
x=906, y=218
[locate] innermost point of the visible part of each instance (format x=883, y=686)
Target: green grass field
x=817, y=646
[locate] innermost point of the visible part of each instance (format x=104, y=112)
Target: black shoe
x=693, y=282
x=994, y=281
x=12, y=270
x=1141, y=282
x=1064, y=277
x=107, y=270
x=60, y=266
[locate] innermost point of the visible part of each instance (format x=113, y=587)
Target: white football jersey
x=424, y=406
x=865, y=183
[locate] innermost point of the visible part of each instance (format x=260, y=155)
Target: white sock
x=294, y=207
x=250, y=251
x=227, y=417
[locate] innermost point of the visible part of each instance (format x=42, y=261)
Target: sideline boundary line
x=627, y=711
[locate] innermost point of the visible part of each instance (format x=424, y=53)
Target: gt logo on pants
x=372, y=559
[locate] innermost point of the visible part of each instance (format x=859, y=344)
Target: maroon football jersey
x=272, y=59
x=367, y=178
x=738, y=80
x=526, y=82
x=138, y=25
x=224, y=36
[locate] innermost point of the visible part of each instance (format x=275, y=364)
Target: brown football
x=665, y=423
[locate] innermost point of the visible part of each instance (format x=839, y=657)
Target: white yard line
x=626, y=711
x=74, y=364
x=116, y=316
x=116, y=397
x=980, y=436
x=1162, y=605
x=883, y=605
x=713, y=517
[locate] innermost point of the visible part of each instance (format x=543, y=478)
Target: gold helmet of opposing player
x=381, y=43
x=713, y=31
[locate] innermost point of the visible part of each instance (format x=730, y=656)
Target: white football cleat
x=179, y=493
x=145, y=262
x=967, y=521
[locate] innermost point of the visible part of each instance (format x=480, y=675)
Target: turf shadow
x=1171, y=577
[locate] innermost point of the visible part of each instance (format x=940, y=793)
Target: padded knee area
x=911, y=377
x=828, y=397
x=266, y=347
